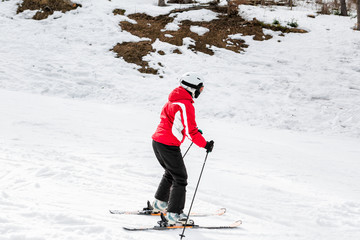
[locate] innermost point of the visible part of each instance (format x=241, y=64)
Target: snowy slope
x=65, y=163
x=76, y=125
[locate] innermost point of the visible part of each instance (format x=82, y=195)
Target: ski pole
x=188, y=149
x=192, y=201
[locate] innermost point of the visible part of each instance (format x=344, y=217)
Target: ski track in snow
x=76, y=127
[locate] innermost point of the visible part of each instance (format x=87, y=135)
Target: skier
x=177, y=121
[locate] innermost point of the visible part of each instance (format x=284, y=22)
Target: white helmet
x=193, y=83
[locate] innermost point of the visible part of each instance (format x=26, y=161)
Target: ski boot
x=175, y=219
x=158, y=206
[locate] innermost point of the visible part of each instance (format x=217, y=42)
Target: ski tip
x=221, y=211
x=134, y=229
x=114, y=211
x=237, y=223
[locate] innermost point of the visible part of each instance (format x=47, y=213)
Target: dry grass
x=133, y=52
x=119, y=11
x=46, y=7
x=218, y=35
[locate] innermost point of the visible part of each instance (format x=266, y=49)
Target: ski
x=149, y=212
x=218, y=212
x=230, y=226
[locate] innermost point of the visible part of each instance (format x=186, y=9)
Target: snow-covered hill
x=306, y=82
x=76, y=125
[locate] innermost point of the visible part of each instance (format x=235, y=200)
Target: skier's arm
x=193, y=132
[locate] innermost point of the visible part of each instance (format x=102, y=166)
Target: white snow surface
x=76, y=126
x=195, y=16
x=199, y=30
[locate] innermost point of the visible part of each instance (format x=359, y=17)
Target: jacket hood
x=180, y=93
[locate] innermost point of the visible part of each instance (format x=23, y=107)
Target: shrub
x=276, y=22
x=293, y=23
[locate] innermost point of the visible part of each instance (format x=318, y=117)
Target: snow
x=171, y=27
x=76, y=126
x=199, y=30
x=195, y=16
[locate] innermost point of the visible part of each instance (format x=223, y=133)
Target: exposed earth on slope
x=218, y=33
x=46, y=7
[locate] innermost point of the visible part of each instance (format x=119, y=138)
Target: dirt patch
x=133, y=52
x=147, y=26
x=46, y=7
x=119, y=11
x=219, y=33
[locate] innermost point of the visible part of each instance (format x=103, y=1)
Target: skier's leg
x=164, y=187
x=163, y=190
x=171, y=159
x=178, y=191
x=176, y=168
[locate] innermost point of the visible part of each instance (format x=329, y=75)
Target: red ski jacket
x=177, y=120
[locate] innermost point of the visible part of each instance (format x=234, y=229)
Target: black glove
x=209, y=146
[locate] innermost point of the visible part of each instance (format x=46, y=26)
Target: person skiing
x=177, y=121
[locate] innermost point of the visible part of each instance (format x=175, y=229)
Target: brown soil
x=46, y=7
x=133, y=52
x=119, y=11
x=218, y=34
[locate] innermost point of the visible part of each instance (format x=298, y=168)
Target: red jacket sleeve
x=191, y=129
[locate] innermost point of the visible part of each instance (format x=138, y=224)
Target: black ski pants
x=172, y=187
